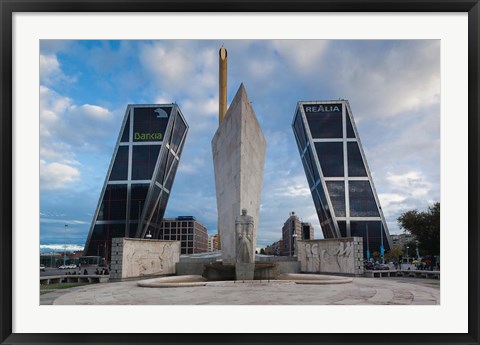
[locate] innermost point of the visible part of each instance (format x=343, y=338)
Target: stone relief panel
x=328, y=256
x=149, y=257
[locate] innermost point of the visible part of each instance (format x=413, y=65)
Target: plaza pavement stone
x=361, y=291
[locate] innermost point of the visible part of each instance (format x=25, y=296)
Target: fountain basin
x=287, y=278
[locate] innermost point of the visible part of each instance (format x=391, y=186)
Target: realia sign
x=327, y=108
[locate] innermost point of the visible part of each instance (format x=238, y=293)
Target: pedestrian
x=85, y=272
x=97, y=272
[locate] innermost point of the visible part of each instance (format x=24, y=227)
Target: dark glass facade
x=140, y=177
x=338, y=176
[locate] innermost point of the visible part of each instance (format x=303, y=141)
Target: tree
x=425, y=226
x=394, y=254
x=262, y=251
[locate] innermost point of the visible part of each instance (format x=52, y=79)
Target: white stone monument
x=135, y=257
x=238, y=149
x=333, y=255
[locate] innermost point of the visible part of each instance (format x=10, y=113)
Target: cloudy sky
x=393, y=88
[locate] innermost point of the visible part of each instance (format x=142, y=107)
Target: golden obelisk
x=222, y=82
x=222, y=102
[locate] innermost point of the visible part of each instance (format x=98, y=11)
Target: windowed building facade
x=293, y=229
x=140, y=176
x=213, y=243
x=338, y=175
x=191, y=233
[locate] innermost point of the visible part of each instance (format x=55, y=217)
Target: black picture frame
x=9, y=7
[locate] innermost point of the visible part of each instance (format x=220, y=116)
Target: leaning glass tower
x=338, y=175
x=140, y=176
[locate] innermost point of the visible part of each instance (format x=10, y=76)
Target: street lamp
x=407, y=255
x=65, y=246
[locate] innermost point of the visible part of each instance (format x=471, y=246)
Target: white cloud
x=65, y=125
x=163, y=99
x=261, y=69
x=169, y=65
x=301, y=55
x=94, y=112
x=191, y=167
x=51, y=72
x=183, y=73
x=57, y=175
x=394, y=80
x=51, y=106
x=205, y=107
x=387, y=199
x=292, y=191
x=411, y=183
x=393, y=204
x=59, y=153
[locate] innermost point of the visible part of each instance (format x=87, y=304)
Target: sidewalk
x=373, y=291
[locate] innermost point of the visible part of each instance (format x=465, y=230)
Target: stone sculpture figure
x=244, y=232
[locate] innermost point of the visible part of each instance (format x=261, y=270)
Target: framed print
x=246, y=172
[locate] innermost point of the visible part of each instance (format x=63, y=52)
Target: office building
x=140, y=176
x=338, y=175
x=275, y=248
x=293, y=229
x=402, y=239
x=213, y=243
x=190, y=232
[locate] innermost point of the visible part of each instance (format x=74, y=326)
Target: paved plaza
x=361, y=291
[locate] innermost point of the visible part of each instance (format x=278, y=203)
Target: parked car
x=42, y=268
x=380, y=267
x=368, y=266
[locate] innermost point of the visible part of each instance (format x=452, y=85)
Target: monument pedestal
x=244, y=271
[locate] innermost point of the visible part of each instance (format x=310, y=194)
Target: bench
x=380, y=273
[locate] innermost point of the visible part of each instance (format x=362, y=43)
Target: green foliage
x=394, y=254
x=425, y=226
x=262, y=251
